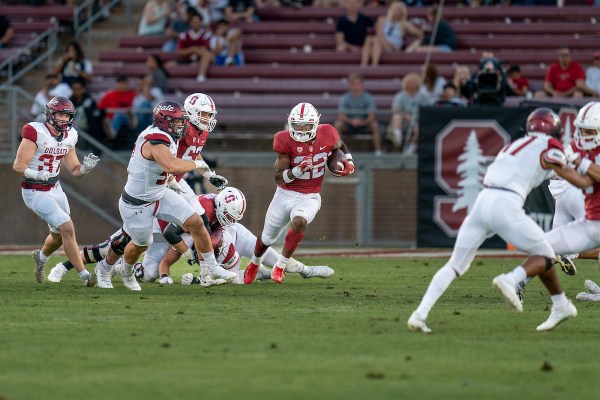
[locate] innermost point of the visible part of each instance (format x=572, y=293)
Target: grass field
x=340, y=338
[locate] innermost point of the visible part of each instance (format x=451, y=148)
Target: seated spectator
x=352, y=29
x=518, y=85
x=405, y=113
x=6, y=31
x=226, y=44
x=89, y=118
x=391, y=30
x=444, y=40
x=177, y=26
x=450, y=97
x=73, y=64
x=157, y=72
x=201, y=7
x=566, y=77
x=117, y=105
x=154, y=18
x=148, y=95
x=433, y=84
x=240, y=10
x=356, y=112
x=592, y=75
x=52, y=87
x=194, y=46
x=462, y=75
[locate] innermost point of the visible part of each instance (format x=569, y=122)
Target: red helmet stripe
x=588, y=109
x=212, y=105
x=302, y=110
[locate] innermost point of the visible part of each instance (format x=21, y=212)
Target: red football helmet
x=60, y=105
x=167, y=115
x=544, y=120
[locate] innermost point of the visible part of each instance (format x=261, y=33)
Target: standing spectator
x=154, y=18
x=592, y=75
x=6, y=31
x=240, y=10
x=390, y=32
x=89, y=118
x=157, y=71
x=357, y=112
x=117, y=104
x=52, y=87
x=73, y=64
x=226, y=44
x=433, y=84
x=444, y=40
x=566, y=77
x=178, y=25
x=194, y=46
x=462, y=75
x=518, y=85
x=352, y=29
x=405, y=112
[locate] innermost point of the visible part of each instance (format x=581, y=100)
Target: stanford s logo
x=463, y=151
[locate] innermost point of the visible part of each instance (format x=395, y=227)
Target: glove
x=194, y=259
x=571, y=156
x=306, y=164
x=348, y=167
x=175, y=186
x=187, y=279
x=89, y=163
x=218, y=181
x=42, y=176
x=166, y=280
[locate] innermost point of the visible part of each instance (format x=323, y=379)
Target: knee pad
x=118, y=243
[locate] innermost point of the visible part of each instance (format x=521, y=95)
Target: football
x=334, y=162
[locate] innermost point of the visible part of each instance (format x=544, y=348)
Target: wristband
x=208, y=173
x=584, y=165
x=349, y=158
x=297, y=171
x=201, y=164
x=30, y=174
x=286, y=177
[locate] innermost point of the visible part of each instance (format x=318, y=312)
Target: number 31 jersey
x=50, y=151
x=318, y=149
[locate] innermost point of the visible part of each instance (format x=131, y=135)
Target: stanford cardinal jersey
x=50, y=151
x=592, y=194
x=191, y=145
x=318, y=149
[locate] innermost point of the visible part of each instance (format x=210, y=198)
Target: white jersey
x=146, y=180
x=50, y=151
x=518, y=167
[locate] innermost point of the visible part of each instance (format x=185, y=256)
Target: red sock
x=292, y=240
x=260, y=248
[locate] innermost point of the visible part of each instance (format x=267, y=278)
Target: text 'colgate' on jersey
x=191, y=145
x=592, y=194
x=319, y=149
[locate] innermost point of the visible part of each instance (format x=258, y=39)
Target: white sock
x=282, y=261
x=517, y=275
x=257, y=260
x=43, y=257
x=440, y=282
x=559, y=300
x=105, y=264
x=203, y=269
x=128, y=268
x=209, y=259
x=84, y=274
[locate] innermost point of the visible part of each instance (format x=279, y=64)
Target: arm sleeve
x=173, y=233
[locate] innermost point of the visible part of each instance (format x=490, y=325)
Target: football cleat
x=591, y=286
x=217, y=272
x=585, y=296
x=104, y=276
x=40, y=266
x=508, y=290
x=316, y=272
x=415, y=323
x=128, y=277
x=566, y=264
x=250, y=273
x=277, y=274
x=57, y=273
x=558, y=315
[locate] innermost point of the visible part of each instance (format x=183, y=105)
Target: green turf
x=341, y=338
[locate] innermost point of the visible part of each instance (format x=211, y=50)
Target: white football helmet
x=198, y=103
x=588, y=118
x=303, y=122
x=230, y=205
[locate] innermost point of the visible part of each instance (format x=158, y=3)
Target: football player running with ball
x=519, y=167
x=39, y=157
x=302, y=153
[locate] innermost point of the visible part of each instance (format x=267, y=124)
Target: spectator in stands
x=89, y=117
x=73, y=64
x=405, y=113
x=352, y=29
x=518, y=85
x=226, y=44
x=157, y=72
x=52, y=87
x=566, y=77
x=391, y=30
x=202, y=7
x=592, y=74
x=6, y=31
x=154, y=18
x=433, y=84
x=148, y=95
x=240, y=10
x=444, y=40
x=217, y=9
x=450, y=97
x=117, y=105
x=357, y=112
x=194, y=46
x=462, y=75
x=178, y=25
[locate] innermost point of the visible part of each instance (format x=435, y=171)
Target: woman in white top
x=155, y=17
x=391, y=30
x=433, y=84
